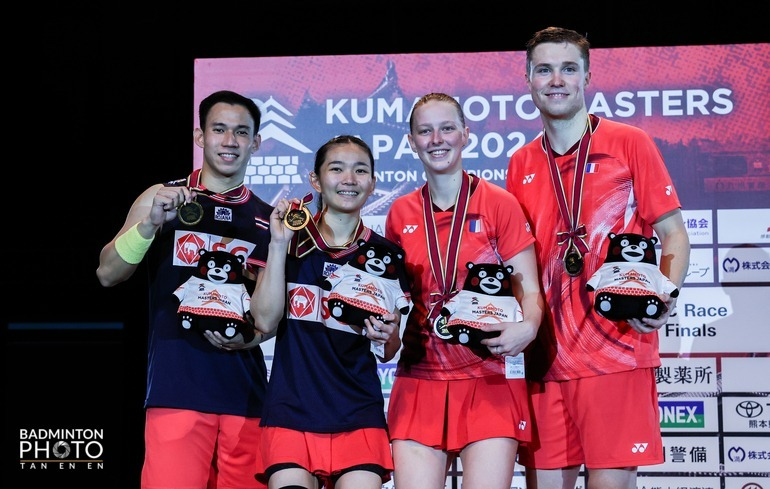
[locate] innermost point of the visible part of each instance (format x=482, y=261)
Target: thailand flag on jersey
x=475, y=226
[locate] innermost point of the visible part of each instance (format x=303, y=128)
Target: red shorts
x=186, y=448
x=450, y=414
x=607, y=421
x=326, y=455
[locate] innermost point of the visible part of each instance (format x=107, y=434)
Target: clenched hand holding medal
x=191, y=213
x=298, y=216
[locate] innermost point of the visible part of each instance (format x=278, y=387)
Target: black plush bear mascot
x=486, y=297
x=629, y=283
x=215, y=298
x=367, y=285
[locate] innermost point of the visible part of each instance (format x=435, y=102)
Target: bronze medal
x=573, y=263
x=572, y=239
x=297, y=217
x=439, y=327
x=190, y=213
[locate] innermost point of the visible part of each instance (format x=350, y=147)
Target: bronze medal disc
x=297, y=218
x=190, y=213
x=573, y=263
x=439, y=327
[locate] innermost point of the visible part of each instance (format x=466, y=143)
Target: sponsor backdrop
x=705, y=106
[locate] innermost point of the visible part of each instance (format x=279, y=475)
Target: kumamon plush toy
x=215, y=298
x=367, y=285
x=629, y=283
x=486, y=297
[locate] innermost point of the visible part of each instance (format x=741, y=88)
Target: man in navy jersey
x=204, y=390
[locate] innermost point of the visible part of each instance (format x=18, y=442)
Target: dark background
x=100, y=106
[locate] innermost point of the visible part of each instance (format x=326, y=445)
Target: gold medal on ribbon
x=297, y=217
x=190, y=213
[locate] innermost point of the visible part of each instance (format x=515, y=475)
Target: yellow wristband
x=131, y=245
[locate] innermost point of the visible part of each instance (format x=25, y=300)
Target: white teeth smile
x=347, y=192
x=439, y=152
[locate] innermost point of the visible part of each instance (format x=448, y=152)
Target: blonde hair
x=438, y=97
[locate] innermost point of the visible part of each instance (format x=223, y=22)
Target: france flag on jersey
x=475, y=226
x=592, y=167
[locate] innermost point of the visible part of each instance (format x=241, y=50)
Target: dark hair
x=232, y=98
x=438, y=97
x=320, y=155
x=559, y=35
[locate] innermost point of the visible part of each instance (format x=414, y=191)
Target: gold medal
x=573, y=262
x=190, y=213
x=297, y=217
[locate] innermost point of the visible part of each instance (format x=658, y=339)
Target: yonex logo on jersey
x=522, y=425
x=409, y=229
x=528, y=178
x=639, y=448
x=668, y=189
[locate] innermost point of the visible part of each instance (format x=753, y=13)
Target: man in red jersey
x=592, y=384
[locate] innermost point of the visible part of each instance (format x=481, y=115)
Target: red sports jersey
x=625, y=189
x=494, y=229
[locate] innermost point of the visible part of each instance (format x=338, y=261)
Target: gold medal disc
x=297, y=218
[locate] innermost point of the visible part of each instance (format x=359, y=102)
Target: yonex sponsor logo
x=639, y=448
x=387, y=374
x=682, y=414
x=409, y=228
x=528, y=178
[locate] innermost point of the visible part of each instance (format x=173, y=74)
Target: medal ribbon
x=445, y=273
x=305, y=240
x=228, y=196
x=574, y=237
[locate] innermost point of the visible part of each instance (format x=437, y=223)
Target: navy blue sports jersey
x=324, y=376
x=185, y=371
